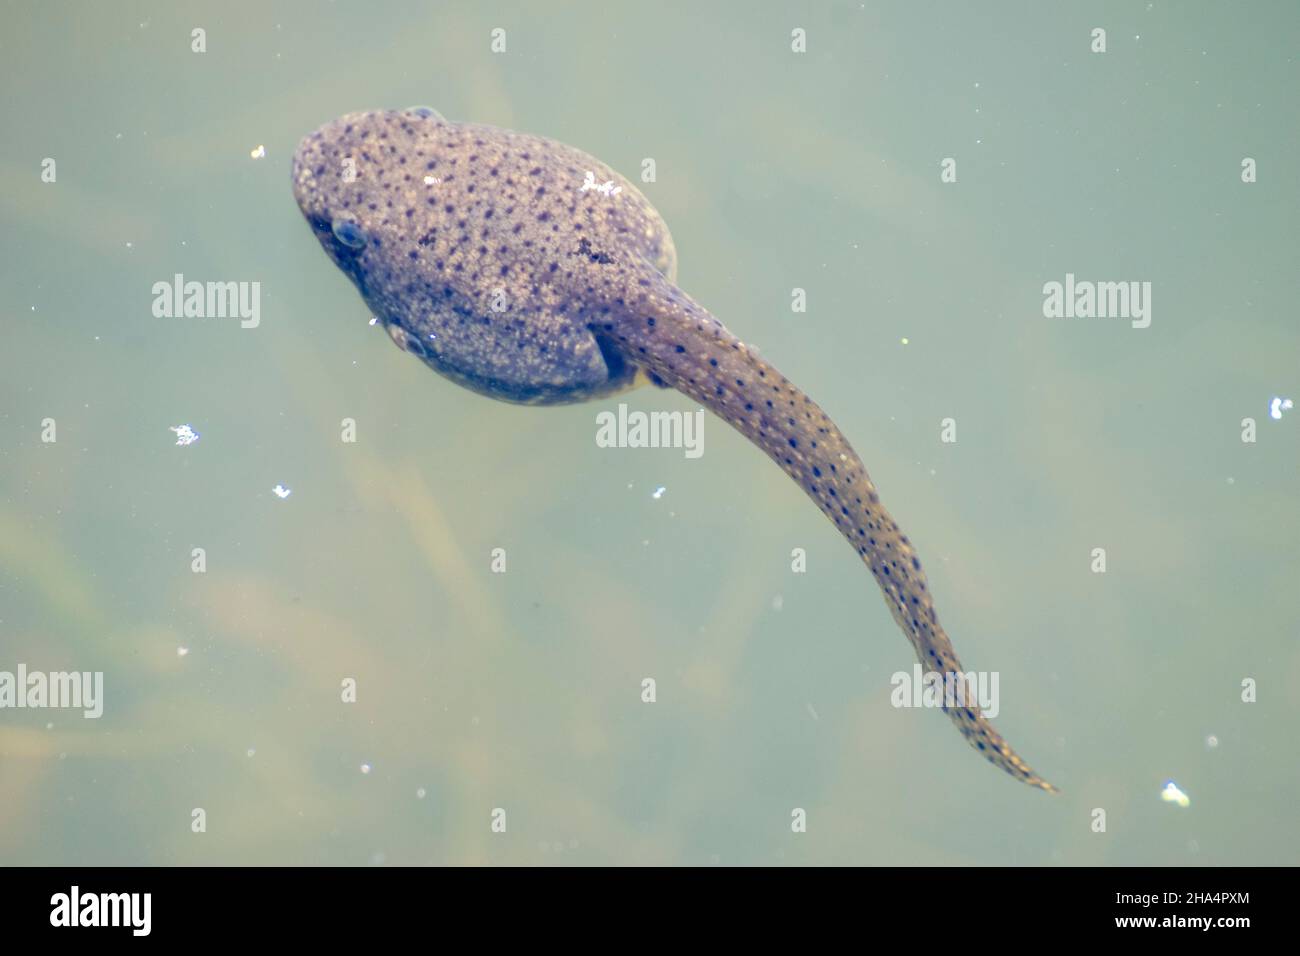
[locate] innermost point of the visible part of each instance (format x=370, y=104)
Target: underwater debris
x=185, y=435
x=1171, y=794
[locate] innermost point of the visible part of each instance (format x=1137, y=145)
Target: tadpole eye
x=427, y=112
x=349, y=233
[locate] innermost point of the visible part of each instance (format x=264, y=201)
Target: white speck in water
x=258, y=153
x=1232, y=481
x=1211, y=742
x=903, y=340
x=281, y=491
x=252, y=751
x=1278, y=406
x=812, y=713
x=50, y=725
x=420, y=793
x=182, y=651
x=658, y=493
x=431, y=180
x=1171, y=794
x=365, y=768
x=374, y=319
x=778, y=602
x=185, y=435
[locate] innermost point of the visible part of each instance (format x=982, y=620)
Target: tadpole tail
x=680, y=344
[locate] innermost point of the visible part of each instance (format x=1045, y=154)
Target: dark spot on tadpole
x=585, y=249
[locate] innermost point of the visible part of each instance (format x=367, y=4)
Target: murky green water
x=522, y=691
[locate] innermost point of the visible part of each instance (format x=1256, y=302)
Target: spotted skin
x=481, y=253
